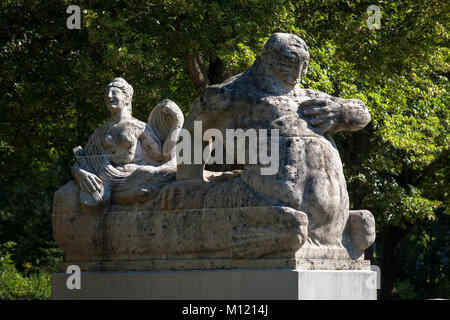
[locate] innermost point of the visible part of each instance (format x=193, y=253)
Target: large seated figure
x=310, y=178
x=297, y=216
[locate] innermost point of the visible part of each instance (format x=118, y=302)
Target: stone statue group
x=130, y=201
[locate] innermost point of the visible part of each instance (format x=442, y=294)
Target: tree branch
x=197, y=71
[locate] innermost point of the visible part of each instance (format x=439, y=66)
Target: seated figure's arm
x=332, y=114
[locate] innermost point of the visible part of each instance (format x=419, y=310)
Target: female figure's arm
x=82, y=173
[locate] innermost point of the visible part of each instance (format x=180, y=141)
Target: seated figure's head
x=118, y=95
x=285, y=56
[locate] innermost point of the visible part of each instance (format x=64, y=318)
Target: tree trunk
x=392, y=237
x=197, y=71
x=216, y=71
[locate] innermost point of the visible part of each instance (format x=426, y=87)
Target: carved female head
x=118, y=95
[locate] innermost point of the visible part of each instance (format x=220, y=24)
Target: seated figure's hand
x=172, y=195
x=325, y=114
x=88, y=181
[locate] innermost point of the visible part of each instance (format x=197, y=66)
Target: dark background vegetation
x=51, y=99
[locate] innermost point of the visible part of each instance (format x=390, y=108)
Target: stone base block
x=221, y=285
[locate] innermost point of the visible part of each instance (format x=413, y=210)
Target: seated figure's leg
x=279, y=231
x=143, y=184
x=268, y=227
x=136, y=194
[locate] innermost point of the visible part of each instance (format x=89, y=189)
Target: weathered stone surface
x=126, y=159
x=360, y=232
x=125, y=207
x=182, y=234
x=310, y=177
x=167, y=264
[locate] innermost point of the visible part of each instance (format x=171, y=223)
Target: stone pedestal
x=272, y=284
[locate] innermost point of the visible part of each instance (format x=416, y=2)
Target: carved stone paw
x=359, y=232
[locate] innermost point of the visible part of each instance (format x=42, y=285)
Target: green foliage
x=405, y=291
x=14, y=285
x=402, y=76
x=424, y=260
